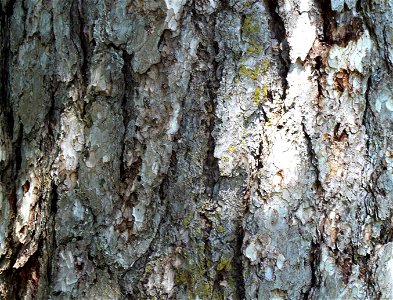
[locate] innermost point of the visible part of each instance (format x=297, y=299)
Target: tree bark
x=180, y=149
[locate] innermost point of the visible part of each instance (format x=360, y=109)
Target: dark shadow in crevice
x=277, y=27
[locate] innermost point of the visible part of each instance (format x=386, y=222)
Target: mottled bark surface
x=206, y=149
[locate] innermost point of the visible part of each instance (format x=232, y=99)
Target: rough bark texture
x=203, y=149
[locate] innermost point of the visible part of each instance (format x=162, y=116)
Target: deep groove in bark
x=18, y=153
x=79, y=38
x=315, y=256
x=125, y=107
x=5, y=55
x=313, y=158
x=367, y=112
x=280, y=34
x=327, y=15
x=211, y=169
x=238, y=263
x=51, y=232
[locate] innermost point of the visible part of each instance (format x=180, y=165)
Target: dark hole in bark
x=337, y=136
x=12, y=201
x=26, y=187
x=79, y=266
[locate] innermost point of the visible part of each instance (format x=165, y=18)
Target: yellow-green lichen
x=260, y=94
x=265, y=67
x=225, y=159
x=182, y=277
x=253, y=73
x=253, y=50
x=148, y=268
x=205, y=290
x=231, y=149
x=231, y=282
x=220, y=229
x=224, y=265
x=193, y=275
x=250, y=26
x=187, y=219
x=249, y=72
x=247, y=3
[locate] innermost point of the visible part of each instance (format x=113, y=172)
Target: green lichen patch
x=231, y=149
x=254, y=50
x=193, y=275
x=220, y=229
x=260, y=94
x=247, y=3
x=265, y=67
x=249, y=72
x=224, y=265
x=193, y=278
x=187, y=219
x=254, y=73
x=250, y=26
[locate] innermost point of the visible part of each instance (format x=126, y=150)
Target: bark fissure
x=315, y=254
x=51, y=232
x=5, y=57
x=280, y=34
x=80, y=41
x=238, y=263
x=313, y=161
x=125, y=107
x=328, y=18
x=367, y=114
x=211, y=169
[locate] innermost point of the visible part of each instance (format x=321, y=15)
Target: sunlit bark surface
x=196, y=149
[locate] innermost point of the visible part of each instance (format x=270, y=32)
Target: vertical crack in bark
x=17, y=153
x=51, y=231
x=328, y=16
x=212, y=174
x=5, y=105
x=125, y=104
x=84, y=44
x=80, y=40
x=279, y=33
x=315, y=247
x=315, y=257
x=313, y=160
x=35, y=274
x=9, y=168
x=238, y=262
x=367, y=114
x=211, y=169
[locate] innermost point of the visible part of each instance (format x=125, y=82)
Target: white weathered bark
x=234, y=149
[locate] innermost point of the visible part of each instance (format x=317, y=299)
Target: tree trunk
x=206, y=149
